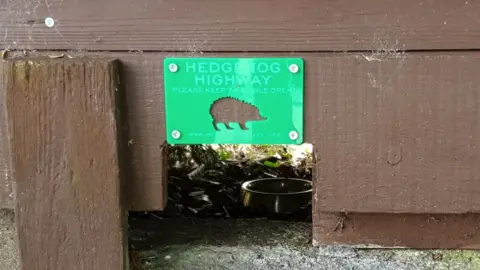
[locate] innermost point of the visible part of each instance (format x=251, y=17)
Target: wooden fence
x=391, y=107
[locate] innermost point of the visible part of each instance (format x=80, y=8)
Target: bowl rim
x=246, y=183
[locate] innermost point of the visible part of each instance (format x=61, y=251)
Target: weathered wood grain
x=393, y=230
x=419, y=231
x=142, y=77
x=63, y=134
x=6, y=183
x=252, y=25
x=145, y=129
x=398, y=135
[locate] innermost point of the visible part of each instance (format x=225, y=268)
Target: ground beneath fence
x=205, y=225
x=183, y=243
x=247, y=244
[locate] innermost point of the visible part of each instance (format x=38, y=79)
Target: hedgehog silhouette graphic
x=232, y=110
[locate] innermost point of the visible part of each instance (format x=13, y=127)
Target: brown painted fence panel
x=422, y=231
x=398, y=135
x=251, y=25
x=363, y=112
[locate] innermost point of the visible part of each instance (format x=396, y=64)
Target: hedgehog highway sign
x=234, y=100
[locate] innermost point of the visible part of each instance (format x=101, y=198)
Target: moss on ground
x=458, y=256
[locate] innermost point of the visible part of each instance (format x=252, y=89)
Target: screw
x=173, y=67
x=49, y=22
x=293, y=135
x=176, y=134
x=293, y=68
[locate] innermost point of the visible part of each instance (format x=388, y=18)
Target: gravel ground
x=265, y=244
x=8, y=244
x=248, y=244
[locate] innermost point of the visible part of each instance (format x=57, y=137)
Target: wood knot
x=394, y=156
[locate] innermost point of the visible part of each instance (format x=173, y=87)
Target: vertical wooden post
x=65, y=161
x=7, y=196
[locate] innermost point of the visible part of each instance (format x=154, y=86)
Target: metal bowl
x=277, y=195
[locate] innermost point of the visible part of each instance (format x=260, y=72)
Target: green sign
x=234, y=100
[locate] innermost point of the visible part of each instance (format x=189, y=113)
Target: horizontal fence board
x=360, y=109
x=419, y=231
x=251, y=25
